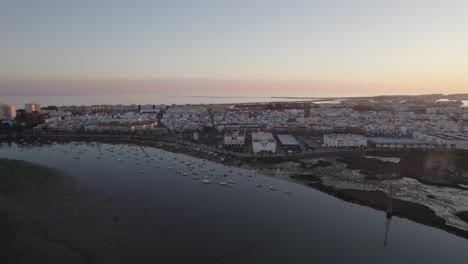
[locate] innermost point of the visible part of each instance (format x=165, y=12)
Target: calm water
x=136, y=98
x=153, y=98
x=174, y=218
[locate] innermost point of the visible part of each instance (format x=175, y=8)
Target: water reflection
x=387, y=228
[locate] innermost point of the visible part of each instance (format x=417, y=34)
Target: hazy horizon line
x=213, y=87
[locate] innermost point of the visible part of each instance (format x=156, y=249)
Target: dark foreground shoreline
x=48, y=216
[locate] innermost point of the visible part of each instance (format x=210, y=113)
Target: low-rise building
x=344, y=141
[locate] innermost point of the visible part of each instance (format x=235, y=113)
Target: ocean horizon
x=158, y=98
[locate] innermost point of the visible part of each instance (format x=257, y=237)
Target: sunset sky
x=411, y=46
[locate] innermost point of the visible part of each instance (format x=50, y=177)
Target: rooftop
x=288, y=140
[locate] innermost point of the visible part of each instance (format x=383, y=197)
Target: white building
x=344, y=141
x=7, y=112
x=32, y=107
x=263, y=142
x=234, y=138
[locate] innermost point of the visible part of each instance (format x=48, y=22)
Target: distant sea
x=138, y=98
x=143, y=98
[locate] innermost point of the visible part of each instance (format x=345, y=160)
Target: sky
x=302, y=46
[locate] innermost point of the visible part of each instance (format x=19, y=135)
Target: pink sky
x=210, y=87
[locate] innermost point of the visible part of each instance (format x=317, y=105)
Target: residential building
x=234, y=138
x=32, y=107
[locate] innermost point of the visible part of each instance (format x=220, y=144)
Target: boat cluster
x=196, y=169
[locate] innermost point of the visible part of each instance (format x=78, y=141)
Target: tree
x=29, y=120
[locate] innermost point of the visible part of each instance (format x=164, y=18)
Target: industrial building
x=263, y=142
x=344, y=141
x=446, y=140
x=398, y=143
x=289, y=143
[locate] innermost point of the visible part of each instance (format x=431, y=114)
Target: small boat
x=206, y=181
x=273, y=188
x=142, y=172
x=231, y=182
x=222, y=183
x=287, y=191
x=195, y=177
x=258, y=185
